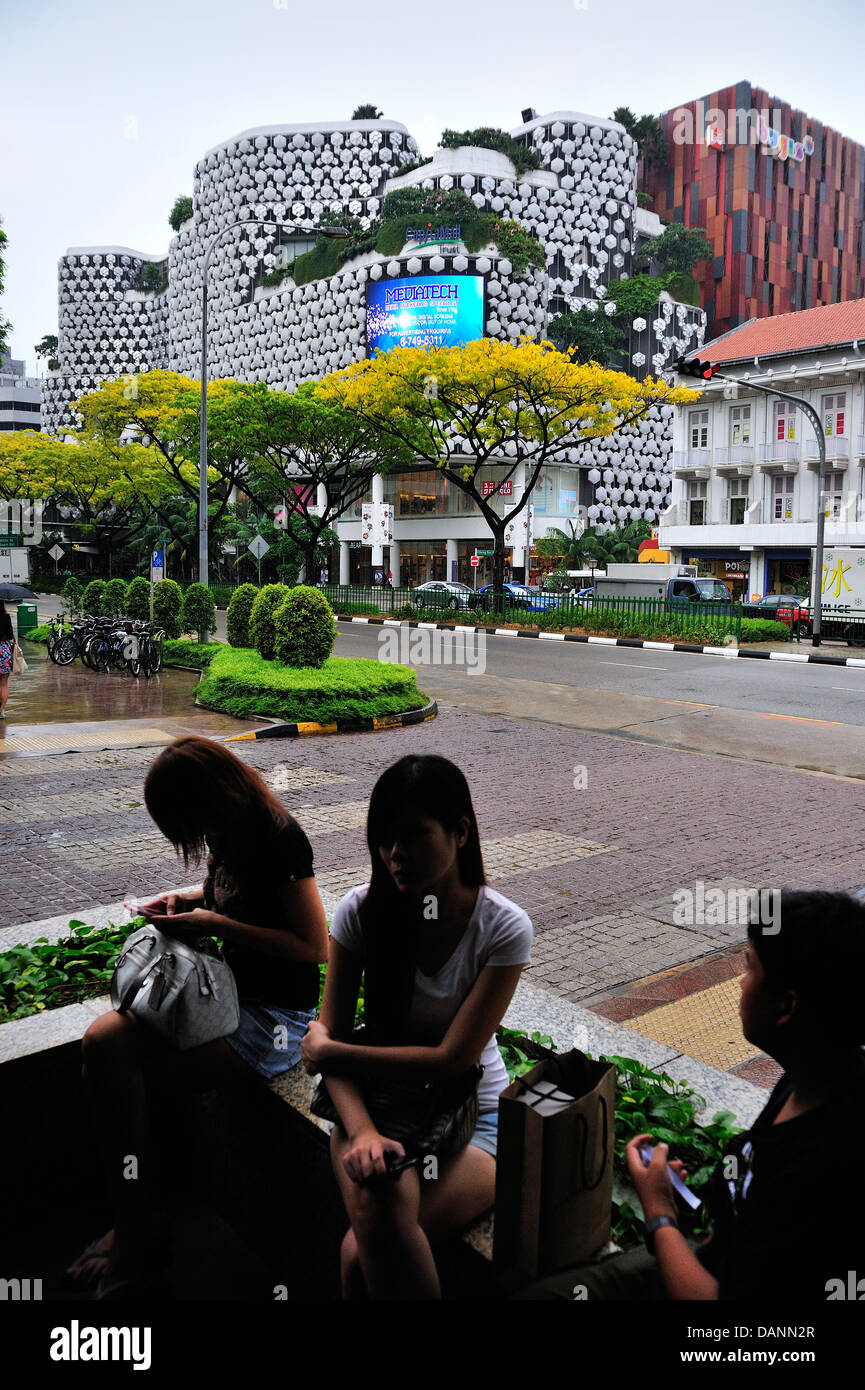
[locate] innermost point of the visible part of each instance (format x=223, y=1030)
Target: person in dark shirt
x=786, y=1224
x=260, y=897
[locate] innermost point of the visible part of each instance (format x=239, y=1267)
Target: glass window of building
x=569, y=490
x=737, y=494
x=697, y=489
x=834, y=495
x=740, y=425
x=783, y=488
x=543, y=495
x=835, y=413
x=785, y=421
x=698, y=429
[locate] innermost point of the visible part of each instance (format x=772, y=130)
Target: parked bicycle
x=103, y=643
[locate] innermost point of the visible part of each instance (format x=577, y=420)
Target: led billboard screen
x=424, y=311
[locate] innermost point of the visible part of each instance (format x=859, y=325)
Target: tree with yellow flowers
x=512, y=405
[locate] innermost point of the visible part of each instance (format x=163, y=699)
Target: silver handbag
x=187, y=994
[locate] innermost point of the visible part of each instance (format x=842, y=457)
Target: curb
x=364, y=725
x=803, y=658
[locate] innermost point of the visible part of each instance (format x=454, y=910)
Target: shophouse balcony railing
x=782, y=451
x=734, y=454
x=837, y=447
x=692, y=458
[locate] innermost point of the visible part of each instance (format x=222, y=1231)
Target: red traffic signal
x=695, y=366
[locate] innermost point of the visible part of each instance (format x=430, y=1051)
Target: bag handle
x=590, y=1186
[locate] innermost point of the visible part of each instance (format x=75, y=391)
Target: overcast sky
x=107, y=106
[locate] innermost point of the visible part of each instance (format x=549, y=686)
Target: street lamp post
x=338, y=232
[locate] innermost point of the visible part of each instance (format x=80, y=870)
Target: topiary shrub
x=114, y=598
x=167, y=602
x=239, y=611
x=72, y=592
x=93, y=598
x=198, y=611
x=138, y=599
x=262, y=629
x=305, y=630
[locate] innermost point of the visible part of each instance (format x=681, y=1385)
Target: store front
x=732, y=567
x=422, y=561
x=785, y=570
x=476, y=576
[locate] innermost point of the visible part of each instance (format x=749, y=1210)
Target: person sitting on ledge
x=787, y=1222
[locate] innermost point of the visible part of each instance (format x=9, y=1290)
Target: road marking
x=640, y=665
x=857, y=689
x=800, y=719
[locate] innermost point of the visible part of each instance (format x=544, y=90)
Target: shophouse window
x=785, y=421
x=737, y=495
x=835, y=414
x=782, y=498
x=834, y=495
x=698, y=429
x=697, y=488
x=569, y=488
x=543, y=495
x=740, y=425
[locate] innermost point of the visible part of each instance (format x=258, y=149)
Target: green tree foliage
x=153, y=277
x=522, y=157
x=167, y=602
x=646, y=130
x=239, y=613
x=262, y=627
x=181, y=212
x=49, y=348
x=138, y=599
x=198, y=611
x=72, y=593
x=93, y=599
x=589, y=334
x=305, y=630
x=5, y=325
x=678, y=248
x=114, y=598
x=366, y=112
x=620, y=546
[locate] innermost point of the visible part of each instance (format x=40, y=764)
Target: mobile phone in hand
x=690, y=1198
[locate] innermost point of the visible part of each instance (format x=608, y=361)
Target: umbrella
x=16, y=593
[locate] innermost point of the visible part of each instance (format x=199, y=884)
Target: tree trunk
x=498, y=558
x=310, y=576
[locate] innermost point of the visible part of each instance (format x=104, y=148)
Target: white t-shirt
x=498, y=933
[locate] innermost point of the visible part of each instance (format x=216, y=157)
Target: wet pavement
x=58, y=709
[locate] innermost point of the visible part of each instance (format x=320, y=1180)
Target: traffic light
x=695, y=366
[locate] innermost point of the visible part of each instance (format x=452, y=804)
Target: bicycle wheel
x=65, y=650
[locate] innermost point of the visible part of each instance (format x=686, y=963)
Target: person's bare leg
x=4, y=692
x=465, y=1189
x=393, y=1252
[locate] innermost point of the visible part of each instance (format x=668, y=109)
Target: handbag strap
x=590, y=1186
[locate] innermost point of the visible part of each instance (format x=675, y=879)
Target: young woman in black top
x=261, y=898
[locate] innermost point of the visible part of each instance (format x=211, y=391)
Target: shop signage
x=447, y=237
x=784, y=146
x=503, y=490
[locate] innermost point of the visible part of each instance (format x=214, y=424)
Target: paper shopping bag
x=554, y=1167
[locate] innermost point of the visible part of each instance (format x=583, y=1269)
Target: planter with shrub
x=239, y=613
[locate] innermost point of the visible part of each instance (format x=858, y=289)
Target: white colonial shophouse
x=746, y=466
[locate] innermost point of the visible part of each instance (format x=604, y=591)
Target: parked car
x=782, y=608
x=528, y=598
x=440, y=594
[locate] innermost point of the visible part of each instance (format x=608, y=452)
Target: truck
x=14, y=564
x=842, y=594
x=672, y=582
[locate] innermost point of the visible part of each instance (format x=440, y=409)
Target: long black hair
x=6, y=633
x=436, y=788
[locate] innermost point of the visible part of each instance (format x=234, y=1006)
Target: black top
x=252, y=895
x=788, y=1218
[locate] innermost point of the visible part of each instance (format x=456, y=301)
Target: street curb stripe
x=366, y=724
x=803, y=658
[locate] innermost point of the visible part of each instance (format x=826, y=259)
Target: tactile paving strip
x=704, y=1025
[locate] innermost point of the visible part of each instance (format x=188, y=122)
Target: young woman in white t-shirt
x=441, y=954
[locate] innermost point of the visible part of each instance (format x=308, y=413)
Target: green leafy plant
x=167, y=602
x=93, y=598
x=305, y=630
x=114, y=598
x=47, y=975
x=152, y=277
x=198, y=611
x=72, y=596
x=138, y=599
x=678, y=248
x=429, y=204
x=239, y=613
x=764, y=630
x=181, y=212
x=523, y=157
x=410, y=165
x=181, y=652
x=242, y=683
x=49, y=348
x=366, y=112
x=262, y=627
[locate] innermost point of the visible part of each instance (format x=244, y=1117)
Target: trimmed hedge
x=138, y=598
x=198, y=611
x=262, y=627
x=243, y=683
x=305, y=630
x=182, y=652
x=93, y=598
x=114, y=598
x=167, y=602
x=764, y=630
x=239, y=613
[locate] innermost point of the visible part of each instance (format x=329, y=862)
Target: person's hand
x=313, y=1047
x=164, y=906
x=365, y=1158
x=653, y=1185
x=188, y=926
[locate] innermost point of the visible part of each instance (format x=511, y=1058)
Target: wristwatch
x=655, y=1225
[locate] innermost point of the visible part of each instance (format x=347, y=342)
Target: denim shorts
x=268, y=1037
x=486, y=1133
